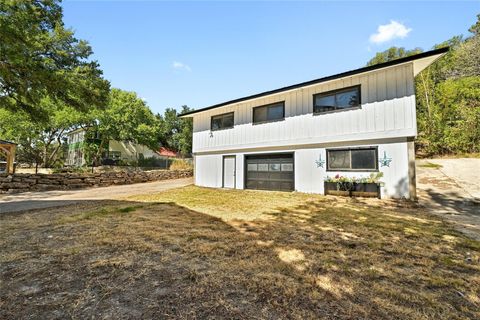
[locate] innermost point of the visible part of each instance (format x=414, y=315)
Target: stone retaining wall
x=22, y=182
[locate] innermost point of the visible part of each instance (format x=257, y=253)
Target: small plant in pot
x=365, y=186
x=373, y=182
x=340, y=183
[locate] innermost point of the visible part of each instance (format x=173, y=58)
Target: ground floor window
x=352, y=159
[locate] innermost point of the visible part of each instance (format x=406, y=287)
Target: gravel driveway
x=38, y=200
x=452, y=191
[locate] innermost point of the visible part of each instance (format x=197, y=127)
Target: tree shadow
x=454, y=202
x=127, y=259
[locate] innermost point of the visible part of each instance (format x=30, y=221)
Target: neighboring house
x=114, y=152
x=292, y=138
x=167, y=153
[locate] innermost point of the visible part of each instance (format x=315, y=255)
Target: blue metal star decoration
x=385, y=161
x=320, y=162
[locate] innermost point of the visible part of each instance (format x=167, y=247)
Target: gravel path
x=39, y=200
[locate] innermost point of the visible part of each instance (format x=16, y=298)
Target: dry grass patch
x=295, y=256
x=231, y=204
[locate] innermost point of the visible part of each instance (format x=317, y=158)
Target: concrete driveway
x=452, y=191
x=39, y=200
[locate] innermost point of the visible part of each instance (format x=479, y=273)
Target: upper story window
x=270, y=112
x=342, y=99
x=358, y=159
x=222, y=121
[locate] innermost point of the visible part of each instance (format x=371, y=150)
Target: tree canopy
x=49, y=86
x=126, y=117
x=41, y=58
x=447, y=96
x=176, y=132
x=392, y=54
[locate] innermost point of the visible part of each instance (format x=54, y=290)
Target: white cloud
x=181, y=66
x=387, y=32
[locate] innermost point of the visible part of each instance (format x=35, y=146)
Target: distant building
x=115, y=152
x=165, y=152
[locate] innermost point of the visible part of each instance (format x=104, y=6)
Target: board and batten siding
x=309, y=177
x=387, y=111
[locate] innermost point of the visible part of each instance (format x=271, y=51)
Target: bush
x=180, y=164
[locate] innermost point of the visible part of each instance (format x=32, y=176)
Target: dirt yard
x=196, y=253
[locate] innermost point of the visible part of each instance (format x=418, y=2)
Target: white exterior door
x=229, y=172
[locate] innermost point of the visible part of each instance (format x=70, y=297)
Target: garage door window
x=359, y=159
x=262, y=167
x=275, y=167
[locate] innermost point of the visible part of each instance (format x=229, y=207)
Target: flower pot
x=371, y=187
x=352, y=189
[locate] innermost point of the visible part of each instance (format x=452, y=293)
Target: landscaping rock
x=21, y=182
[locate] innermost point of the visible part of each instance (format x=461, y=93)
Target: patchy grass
x=231, y=204
x=293, y=256
x=98, y=213
x=428, y=164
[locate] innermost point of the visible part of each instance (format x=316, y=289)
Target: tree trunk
x=59, y=140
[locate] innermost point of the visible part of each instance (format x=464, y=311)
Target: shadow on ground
x=127, y=259
x=453, y=202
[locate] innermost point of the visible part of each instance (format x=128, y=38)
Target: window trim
x=266, y=106
x=328, y=93
x=350, y=149
x=222, y=115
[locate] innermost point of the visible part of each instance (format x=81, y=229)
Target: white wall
x=387, y=111
x=308, y=177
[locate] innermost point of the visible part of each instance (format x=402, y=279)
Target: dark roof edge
x=328, y=78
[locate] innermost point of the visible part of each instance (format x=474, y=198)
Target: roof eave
x=433, y=54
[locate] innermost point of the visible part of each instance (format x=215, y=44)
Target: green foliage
x=374, y=177
x=39, y=142
x=49, y=85
x=392, y=54
x=126, y=117
x=41, y=58
x=460, y=117
x=176, y=133
x=448, y=97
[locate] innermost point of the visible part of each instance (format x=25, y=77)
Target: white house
x=292, y=138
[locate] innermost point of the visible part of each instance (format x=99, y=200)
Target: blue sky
x=202, y=53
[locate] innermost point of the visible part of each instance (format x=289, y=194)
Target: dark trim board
x=324, y=79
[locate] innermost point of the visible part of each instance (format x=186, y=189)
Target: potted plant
x=345, y=186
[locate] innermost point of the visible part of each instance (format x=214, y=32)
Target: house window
x=342, y=99
x=222, y=121
x=271, y=112
x=359, y=159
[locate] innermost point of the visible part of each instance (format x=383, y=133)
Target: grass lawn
x=196, y=253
